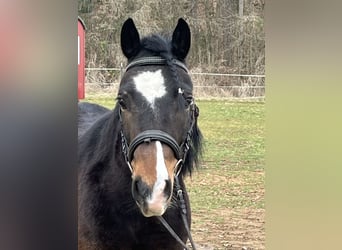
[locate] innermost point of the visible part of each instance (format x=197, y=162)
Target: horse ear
x=181, y=39
x=130, y=40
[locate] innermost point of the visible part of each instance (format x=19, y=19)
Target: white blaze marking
x=157, y=197
x=150, y=85
x=162, y=173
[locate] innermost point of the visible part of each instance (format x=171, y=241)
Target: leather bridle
x=147, y=136
x=180, y=151
x=155, y=60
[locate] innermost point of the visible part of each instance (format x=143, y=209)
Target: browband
x=155, y=60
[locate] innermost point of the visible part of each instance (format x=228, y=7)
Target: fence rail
x=206, y=84
x=191, y=73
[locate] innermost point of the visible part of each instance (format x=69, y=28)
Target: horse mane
x=98, y=143
x=195, y=151
x=157, y=44
x=88, y=113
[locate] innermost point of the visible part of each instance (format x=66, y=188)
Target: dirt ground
x=236, y=230
x=224, y=214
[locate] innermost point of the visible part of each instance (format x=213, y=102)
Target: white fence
x=105, y=81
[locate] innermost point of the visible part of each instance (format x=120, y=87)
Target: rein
x=183, y=213
x=180, y=151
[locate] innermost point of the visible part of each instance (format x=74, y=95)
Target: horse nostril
x=139, y=188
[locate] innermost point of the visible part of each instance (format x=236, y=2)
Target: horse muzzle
x=152, y=201
x=153, y=156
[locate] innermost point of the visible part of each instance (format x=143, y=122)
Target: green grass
x=234, y=134
x=232, y=174
x=108, y=102
x=232, y=170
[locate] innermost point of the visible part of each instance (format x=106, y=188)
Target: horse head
x=157, y=114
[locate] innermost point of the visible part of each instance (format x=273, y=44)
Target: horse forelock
x=156, y=44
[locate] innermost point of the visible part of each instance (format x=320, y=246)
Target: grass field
x=227, y=192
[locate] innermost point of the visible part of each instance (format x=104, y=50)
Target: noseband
x=180, y=151
x=153, y=135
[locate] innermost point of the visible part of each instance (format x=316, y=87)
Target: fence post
x=240, y=8
x=121, y=71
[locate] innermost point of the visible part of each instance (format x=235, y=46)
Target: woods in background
x=227, y=35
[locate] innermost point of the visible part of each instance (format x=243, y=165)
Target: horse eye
x=122, y=102
x=189, y=100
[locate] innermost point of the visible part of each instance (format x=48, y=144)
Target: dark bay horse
x=132, y=158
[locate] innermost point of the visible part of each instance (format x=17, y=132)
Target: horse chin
x=149, y=211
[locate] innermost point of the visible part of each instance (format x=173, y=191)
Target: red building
x=81, y=58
